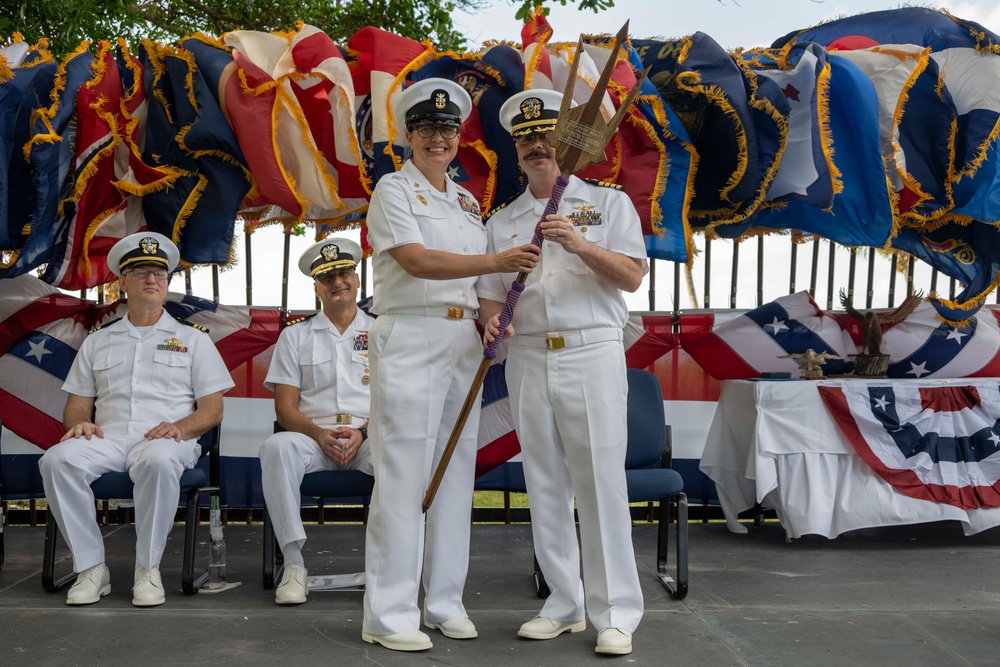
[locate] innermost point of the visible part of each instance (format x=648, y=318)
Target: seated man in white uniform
x=319, y=376
x=566, y=378
x=142, y=389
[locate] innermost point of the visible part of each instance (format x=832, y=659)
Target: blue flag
x=51, y=152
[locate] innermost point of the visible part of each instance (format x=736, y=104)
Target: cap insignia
x=330, y=252
x=440, y=99
x=531, y=108
x=149, y=245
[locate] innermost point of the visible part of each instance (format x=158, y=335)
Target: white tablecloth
x=774, y=442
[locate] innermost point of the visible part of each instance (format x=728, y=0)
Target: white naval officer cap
x=329, y=255
x=531, y=112
x=431, y=102
x=143, y=248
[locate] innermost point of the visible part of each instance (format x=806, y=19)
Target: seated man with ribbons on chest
x=142, y=389
x=319, y=375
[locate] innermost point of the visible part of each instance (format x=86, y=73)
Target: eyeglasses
x=428, y=131
x=142, y=274
x=528, y=139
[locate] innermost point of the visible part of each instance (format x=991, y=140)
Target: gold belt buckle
x=344, y=419
x=455, y=313
x=555, y=343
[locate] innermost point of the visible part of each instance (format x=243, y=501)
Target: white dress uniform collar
x=321, y=321
x=526, y=202
x=165, y=323
x=417, y=182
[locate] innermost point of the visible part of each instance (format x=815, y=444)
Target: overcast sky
x=733, y=24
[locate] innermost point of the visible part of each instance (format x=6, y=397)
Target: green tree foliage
x=65, y=23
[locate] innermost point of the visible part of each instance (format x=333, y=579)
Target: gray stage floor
x=920, y=595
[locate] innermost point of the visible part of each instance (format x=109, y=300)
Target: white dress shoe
x=148, y=589
x=455, y=628
x=292, y=589
x=91, y=585
x=407, y=640
x=614, y=641
x=545, y=628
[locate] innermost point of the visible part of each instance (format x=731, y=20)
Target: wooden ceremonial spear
x=580, y=135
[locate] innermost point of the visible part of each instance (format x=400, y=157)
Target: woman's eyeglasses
x=428, y=131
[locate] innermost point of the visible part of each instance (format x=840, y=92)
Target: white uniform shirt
x=140, y=382
x=329, y=368
x=563, y=293
x=406, y=209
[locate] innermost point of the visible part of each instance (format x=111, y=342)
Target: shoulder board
x=199, y=327
x=301, y=318
x=500, y=207
x=106, y=324
x=603, y=184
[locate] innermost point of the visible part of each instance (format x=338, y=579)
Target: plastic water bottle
x=217, y=554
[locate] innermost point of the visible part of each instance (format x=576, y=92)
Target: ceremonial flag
x=51, y=151
x=968, y=252
x=535, y=35
x=700, y=81
x=187, y=134
x=736, y=344
x=968, y=56
x=383, y=61
x=28, y=86
x=921, y=346
x=861, y=214
x=98, y=218
x=930, y=442
x=807, y=172
x=670, y=232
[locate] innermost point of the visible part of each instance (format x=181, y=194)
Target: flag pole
x=579, y=138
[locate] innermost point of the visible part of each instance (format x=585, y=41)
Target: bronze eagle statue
x=871, y=336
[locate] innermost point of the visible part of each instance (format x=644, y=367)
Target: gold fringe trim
x=825, y=133
x=88, y=235
x=47, y=114
x=185, y=213
x=542, y=39
x=305, y=134
x=491, y=160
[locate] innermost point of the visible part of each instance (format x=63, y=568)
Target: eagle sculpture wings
x=871, y=336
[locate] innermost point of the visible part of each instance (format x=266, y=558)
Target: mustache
x=536, y=153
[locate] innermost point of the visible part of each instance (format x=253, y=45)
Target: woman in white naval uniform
x=428, y=239
x=154, y=385
x=566, y=379
x=319, y=376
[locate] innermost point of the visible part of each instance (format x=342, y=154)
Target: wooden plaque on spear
x=580, y=136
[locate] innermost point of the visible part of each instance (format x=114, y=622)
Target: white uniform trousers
x=155, y=467
x=285, y=458
x=422, y=369
x=569, y=409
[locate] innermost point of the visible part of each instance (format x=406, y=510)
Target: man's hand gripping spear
x=579, y=138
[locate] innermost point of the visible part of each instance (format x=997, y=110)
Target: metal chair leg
x=678, y=589
x=49, y=581
x=273, y=561
x=542, y=589
x=189, y=582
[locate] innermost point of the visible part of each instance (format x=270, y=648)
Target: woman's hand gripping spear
x=579, y=138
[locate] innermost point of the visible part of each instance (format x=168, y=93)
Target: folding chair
x=203, y=478
x=348, y=487
x=647, y=474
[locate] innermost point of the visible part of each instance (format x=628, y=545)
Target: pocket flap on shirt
x=172, y=358
x=108, y=362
